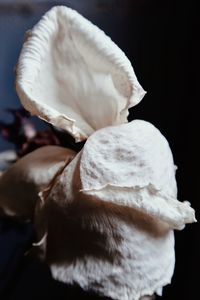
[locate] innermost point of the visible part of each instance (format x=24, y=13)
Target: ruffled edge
x=33, y=52
x=149, y=200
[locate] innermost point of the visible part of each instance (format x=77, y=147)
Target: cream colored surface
x=115, y=209
x=72, y=75
x=132, y=165
x=110, y=249
x=20, y=185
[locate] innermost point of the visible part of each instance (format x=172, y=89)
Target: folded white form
x=72, y=75
x=104, y=216
x=21, y=183
x=115, y=209
x=133, y=163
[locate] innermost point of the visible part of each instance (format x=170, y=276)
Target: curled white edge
x=93, y=35
x=41, y=241
x=147, y=199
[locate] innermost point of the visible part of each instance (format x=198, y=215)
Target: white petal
x=20, y=185
x=72, y=75
x=116, y=252
x=132, y=165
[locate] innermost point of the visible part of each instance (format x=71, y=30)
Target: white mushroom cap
x=21, y=183
x=73, y=76
x=132, y=164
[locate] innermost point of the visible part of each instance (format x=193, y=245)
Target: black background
x=166, y=62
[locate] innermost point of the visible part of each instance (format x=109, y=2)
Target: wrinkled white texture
x=72, y=75
x=116, y=252
x=21, y=183
x=114, y=207
x=132, y=164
